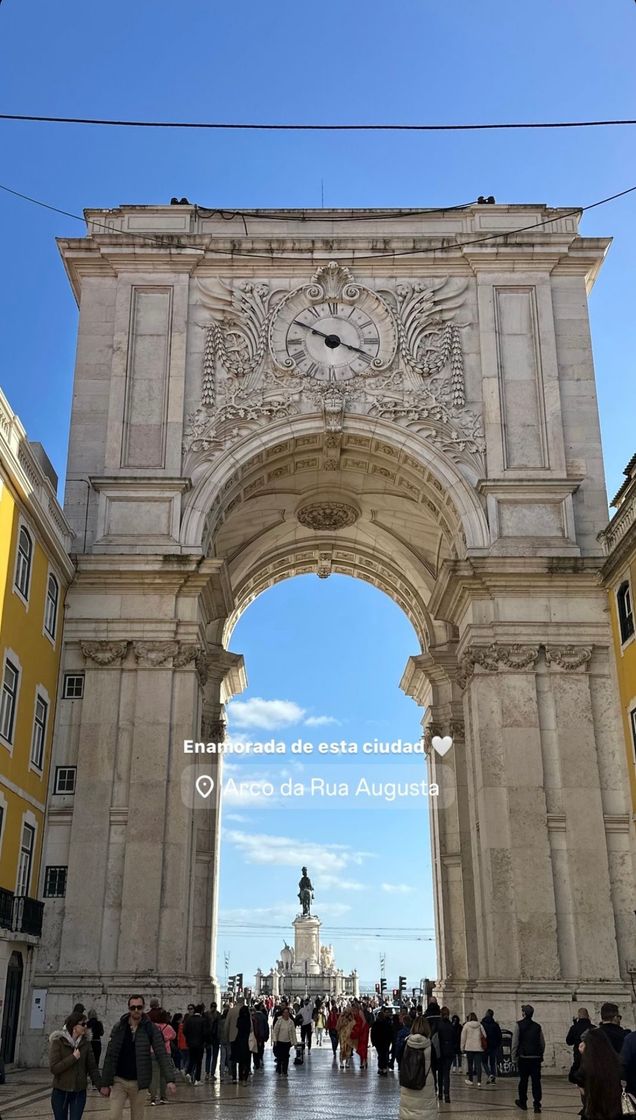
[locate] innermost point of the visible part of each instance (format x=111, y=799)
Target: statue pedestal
x=307, y=945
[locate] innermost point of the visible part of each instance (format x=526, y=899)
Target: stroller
x=505, y=1065
x=300, y=1054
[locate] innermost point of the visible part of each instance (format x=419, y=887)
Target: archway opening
x=324, y=659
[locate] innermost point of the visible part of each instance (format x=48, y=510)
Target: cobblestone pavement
x=318, y=1090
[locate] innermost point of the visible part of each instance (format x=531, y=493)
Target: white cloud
x=336, y=882
x=279, y=913
x=236, y=818
x=320, y=721
x=397, y=888
x=323, y=860
x=266, y=715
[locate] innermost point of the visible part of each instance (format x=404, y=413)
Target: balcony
x=20, y=914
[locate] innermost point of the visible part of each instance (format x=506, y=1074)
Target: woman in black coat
x=599, y=1077
x=241, y=1045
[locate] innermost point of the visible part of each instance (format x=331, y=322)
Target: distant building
x=35, y=571
x=619, y=574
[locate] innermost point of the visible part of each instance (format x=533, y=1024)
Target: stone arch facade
x=455, y=463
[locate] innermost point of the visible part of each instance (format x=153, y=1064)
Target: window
x=73, y=686
x=26, y=860
x=9, y=700
x=39, y=731
x=65, y=779
x=625, y=611
x=23, y=563
x=50, y=608
x=55, y=882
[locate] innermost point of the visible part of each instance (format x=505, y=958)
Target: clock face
x=332, y=340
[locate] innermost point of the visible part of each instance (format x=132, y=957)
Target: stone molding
x=148, y=655
x=519, y=658
x=212, y=729
x=327, y=515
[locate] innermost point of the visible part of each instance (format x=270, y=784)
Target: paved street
x=319, y=1090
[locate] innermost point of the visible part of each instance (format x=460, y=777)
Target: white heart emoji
x=442, y=746
x=204, y=785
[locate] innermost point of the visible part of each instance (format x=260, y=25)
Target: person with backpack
x=443, y=1042
x=528, y=1046
x=493, y=1042
x=417, y=1090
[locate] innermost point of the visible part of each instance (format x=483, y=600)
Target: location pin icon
x=204, y=785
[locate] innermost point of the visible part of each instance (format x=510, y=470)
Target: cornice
x=482, y=577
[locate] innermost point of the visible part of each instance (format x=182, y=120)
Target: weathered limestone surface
x=445, y=448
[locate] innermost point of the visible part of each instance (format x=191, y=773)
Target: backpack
x=413, y=1071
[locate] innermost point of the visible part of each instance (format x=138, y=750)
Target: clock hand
x=321, y=334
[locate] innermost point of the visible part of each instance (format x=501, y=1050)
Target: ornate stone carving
x=494, y=656
x=568, y=657
x=188, y=652
x=104, y=653
x=428, y=339
x=327, y=515
x=154, y=653
x=212, y=729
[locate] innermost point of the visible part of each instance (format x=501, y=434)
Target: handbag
x=252, y=1043
x=484, y=1042
x=628, y=1104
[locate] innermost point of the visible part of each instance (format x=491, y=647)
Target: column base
x=555, y=1004
x=108, y=995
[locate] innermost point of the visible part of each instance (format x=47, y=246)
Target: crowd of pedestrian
x=149, y=1049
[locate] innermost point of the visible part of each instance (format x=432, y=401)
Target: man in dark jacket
x=127, y=1071
x=610, y=1024
x=381, y=1038
x=211, y=1041
x=195, y=1030
x=628, y=1062
x=493, y=1040
x=444, y=1046
x=528, y=1047
x=580, y=1025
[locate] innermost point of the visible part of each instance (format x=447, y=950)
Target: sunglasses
x=135, y=1006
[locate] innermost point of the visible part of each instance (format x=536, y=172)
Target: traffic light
x=377, y=988
x=239, y=982
x=402, y=984
x=383, y=985
x=231, y=980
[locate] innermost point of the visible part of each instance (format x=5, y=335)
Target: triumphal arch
x=404, y=397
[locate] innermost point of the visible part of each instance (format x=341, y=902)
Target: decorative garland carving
x=104, y=653
x=212, y=729
x=515, y=657
x=568, y=658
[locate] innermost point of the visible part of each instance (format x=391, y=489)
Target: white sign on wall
x=38, y=1008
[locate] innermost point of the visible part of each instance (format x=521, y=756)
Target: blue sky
x=342, y=61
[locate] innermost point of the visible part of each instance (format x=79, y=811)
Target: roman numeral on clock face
x=298, y=356
x=371, y=340
x=332, y=306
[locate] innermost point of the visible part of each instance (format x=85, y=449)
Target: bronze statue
x=305, y=893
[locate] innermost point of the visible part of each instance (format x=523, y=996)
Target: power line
x=167, y=241
x=262, y=126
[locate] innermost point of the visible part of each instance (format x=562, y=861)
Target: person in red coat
x=360, y=1036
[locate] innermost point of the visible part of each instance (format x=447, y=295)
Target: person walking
x=231, y=1029
x=96, y=1032
x=580, y=1025
x=456, y=1024
x=599, y=1077
x=319, y=1023
x=306, y=1024
x=332, y=1027
x=528, y=1047
x=417, y=1090
x=194, y=1029
x=158, y=1082
x=225, y=1068
x=72, y=1062
x=403, y=1032
x=127, y=1069
x=211, y=1041
x=444, y=1041
x=472, y=1043
x=360, y=1036
x=346, y=1022
x=628, y=1063
x=241, y=1056
x=284, y=1037
x=260, y=1027
x=610, y=1024
x=382, y=1037
x=181, y=1045
x=493, y=1042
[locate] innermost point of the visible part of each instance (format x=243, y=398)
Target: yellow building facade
x=619, y=573
x=35, y=571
